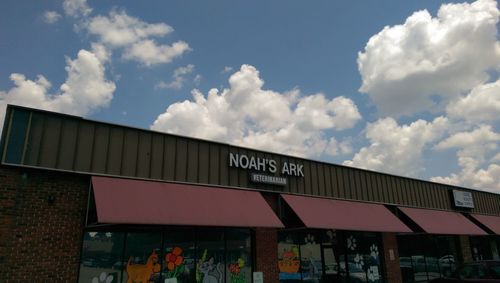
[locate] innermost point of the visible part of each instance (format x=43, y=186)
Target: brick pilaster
x=391, y=256
x=465, y=248
x=266, y=253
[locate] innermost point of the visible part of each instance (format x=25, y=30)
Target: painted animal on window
x=141, y=273
x=207, y=269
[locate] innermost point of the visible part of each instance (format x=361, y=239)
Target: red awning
x=442, y=222
x=147, y=202
x=492, y=222
x=344, y=215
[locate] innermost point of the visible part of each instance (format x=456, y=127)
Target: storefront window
x=323, y=256
x=176, y=255
x=179, y=256
x=238, y=256
x=210, y=257
x=143, y=257
x=364, y=257
x=101, y=257
x=433, y=257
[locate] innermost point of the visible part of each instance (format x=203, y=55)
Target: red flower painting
x=174, y=258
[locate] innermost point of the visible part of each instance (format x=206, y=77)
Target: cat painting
x=207, y=267
x=141, y=273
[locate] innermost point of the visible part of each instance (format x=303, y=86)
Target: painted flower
x=358, y=261
x=103, y=278
x=234, y=268
x=351, y=243
x=374, y=251
x=174, y=258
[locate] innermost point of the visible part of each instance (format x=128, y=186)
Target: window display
x=177, y=255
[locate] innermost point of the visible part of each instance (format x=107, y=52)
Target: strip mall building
x=85, y=201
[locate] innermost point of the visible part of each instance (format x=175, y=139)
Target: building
x=85, y=201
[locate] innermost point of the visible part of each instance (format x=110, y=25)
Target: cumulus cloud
x=477, y=171
x=247, y=114
x=76, y=8
x=427, y=61
x=398, y=149
x=51, y=17
x=85, y=89
x=119, y=30
x=482, y=104
x=178, y=78
x=150, y=53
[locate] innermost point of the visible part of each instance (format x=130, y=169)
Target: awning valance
x=490, y=221
x=147, y=202
x=344, y=215
x=442, y=222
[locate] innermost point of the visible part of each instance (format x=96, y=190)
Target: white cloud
x=119, y=30
x=178, y=78
x=76, y=8
x=480, y=105
x=227, y=69
x=409, y=68
x=101, y=52
x=85, y=89
x=477, y=170
x=150, y=53
x=397, y=149
x=51, y=17
x=248, y=115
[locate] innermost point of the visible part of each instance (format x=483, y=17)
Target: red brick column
x=40, y=239
x=465, y=248
x=391, y=256
x=266, y=253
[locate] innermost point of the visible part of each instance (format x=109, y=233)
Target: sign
x=463, y=199
x=267, y=179
x=258, y=277
x=265, y=165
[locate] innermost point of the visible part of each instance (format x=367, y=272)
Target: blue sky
x=404, y=87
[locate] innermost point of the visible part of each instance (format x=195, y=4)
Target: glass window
x=143, y=257
x=179, y=260
x=434, y=257
x=310, y=257
x=238, y=256
x=210, y=254
x=364, y=257
x=289, y=257
x=101, y=257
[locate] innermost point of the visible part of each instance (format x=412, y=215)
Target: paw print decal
x=358, y=261
x=103, y=278
x=351, y=243
x=374, y=251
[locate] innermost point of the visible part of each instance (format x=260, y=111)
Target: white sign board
x=258, y=277
x=463, y=199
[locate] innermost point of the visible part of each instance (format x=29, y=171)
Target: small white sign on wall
x=463, y=199
x=258, y=277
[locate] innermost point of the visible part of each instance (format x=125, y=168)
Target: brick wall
x=40, y=241
x=391, y=256
x=465, y=248
x=266, y=253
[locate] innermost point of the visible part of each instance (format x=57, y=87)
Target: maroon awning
x=490, y=221
x=147, y=202
x=442, y=222
x=344, y=215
